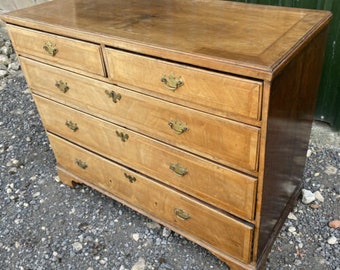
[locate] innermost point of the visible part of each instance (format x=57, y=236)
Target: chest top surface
x=246, y=35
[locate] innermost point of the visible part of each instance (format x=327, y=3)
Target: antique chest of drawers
x=195, y=113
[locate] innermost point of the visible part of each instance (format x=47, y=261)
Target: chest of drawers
x=194, y=113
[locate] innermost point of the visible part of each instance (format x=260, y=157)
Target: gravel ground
x=46, y=225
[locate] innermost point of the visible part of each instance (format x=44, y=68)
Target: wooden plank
x=231, y=143
x=233, y=192
x=68, y=52
x=224, y=95
x=226, y=43
x=208, y=226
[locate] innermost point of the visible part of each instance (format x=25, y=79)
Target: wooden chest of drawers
x=194, y=113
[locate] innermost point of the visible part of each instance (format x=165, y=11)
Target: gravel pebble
x=153, y=225
x=4, y=60
x=307, y=196
x=77, y=246
x=318, y=196
x=292, y=229
x=3, y=73
x=292, y=216
x=135, y=236
x=166, y=232
x=332, y=240
x=140, y=265
x=331, y=170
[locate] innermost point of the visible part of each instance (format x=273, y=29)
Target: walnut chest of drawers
x=195, y=113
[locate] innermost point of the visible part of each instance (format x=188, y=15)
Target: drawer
x=221, y=140
x=193, y=219
x=60, y=50
x=212, y=92
x=231, y=191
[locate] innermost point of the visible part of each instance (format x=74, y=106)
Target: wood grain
x=227, y=36
x=73, y=53
x=231, y=143
x=208, y=225
x=214, y=184
x=289, y=125
x=213, y=92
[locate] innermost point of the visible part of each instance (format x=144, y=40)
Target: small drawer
x=217, y=185
x=216, y=93
x=228, y=142
x=56, y=49
x=195, y=220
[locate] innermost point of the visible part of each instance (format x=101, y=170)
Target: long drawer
x=56, y=49
x=231, y=191
x=224, y=95
x=227, y=142
x=184, y=214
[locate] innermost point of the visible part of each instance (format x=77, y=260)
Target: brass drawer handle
x=81, y=164
x=131, y=178
x=178, y=126
x=62, y=86
x=71, y=125
x=115, y=96
x=171, y=82
x=50, y=48
x=177, y=168
x=124, y=137
x=181, y=214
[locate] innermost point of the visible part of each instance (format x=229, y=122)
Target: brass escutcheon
x=124, y=137
x=178, y=126
x=131, y=178
x=171, y=82
x=50, y=48
x=177, y=168
x=71, y=125
x=182, y=214
x=62, y=86
x=115, y=96
x=81, y=164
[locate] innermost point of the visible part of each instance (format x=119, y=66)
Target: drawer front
x=221, y=140
x=60, y=50
x=186, y=215
x=217, y=185
x=216, y=93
